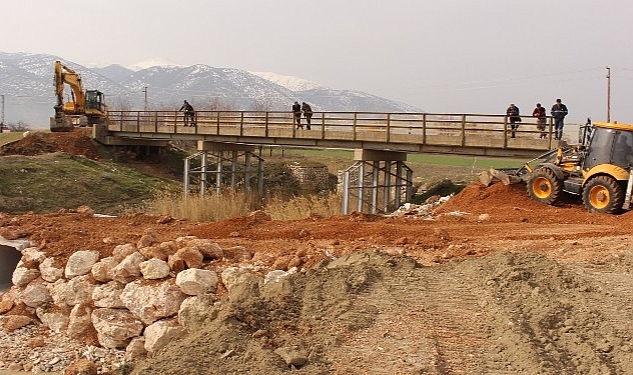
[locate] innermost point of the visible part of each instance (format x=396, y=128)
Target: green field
x=9, y=137
x=426, y=167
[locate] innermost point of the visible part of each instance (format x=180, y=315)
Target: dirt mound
x=369, y=313
x=77, y=142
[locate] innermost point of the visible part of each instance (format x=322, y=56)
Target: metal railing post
x=463, y=143
x=241, y=123
x=323, y=125
x=354, y=126
x=505, y=132
x=424, y=129
x=266, y=125
x=388, y=127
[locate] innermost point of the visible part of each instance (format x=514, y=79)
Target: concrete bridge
x=378, y=181
x=463, y=134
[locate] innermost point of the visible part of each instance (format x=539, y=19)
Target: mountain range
x=26, y=85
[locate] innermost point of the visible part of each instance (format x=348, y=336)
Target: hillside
x=45, y=172
x=489, y=282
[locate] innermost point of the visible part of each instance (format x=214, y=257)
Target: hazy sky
x=458, y=56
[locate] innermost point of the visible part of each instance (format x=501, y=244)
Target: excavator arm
x=65, y=75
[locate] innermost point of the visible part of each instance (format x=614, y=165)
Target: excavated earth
x=490, y=282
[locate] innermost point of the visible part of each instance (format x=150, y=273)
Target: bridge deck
x=466, y=134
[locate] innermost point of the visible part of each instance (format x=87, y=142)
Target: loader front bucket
x=506, y=176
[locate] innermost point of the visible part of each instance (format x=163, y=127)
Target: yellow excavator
x=86, y=107
x=598, y=169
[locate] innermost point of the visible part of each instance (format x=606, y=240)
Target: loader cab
x=610, y=144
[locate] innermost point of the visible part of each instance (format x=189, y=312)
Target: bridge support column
x=221, y=165
x=377, y=173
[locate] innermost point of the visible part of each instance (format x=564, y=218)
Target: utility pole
x=608, y=94
x=145, y=91
x=2, y=121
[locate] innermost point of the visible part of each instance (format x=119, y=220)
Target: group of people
x=305, y=109
x=558, y=112
x=297, y=109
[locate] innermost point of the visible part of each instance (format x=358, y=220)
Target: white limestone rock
x=159, y=334
x=108, y=295
x=115, y=327
x=195, y=281
x=49, y=272
x=128, y=270
x=154, y=269
x=152, y=302
x=80, y=263
x=35, y=295
x=22, y=276
x=102, y=270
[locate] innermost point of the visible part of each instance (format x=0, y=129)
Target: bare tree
x=260, y=105
x=20, y=126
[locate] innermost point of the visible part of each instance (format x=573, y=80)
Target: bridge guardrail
x=475, y=130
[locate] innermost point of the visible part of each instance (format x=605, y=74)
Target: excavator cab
x=96, y=108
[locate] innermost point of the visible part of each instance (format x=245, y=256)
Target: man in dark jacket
x=513, y=116
x=540, y=113
x=307, y=113
x=559, y=111
x=296, y=112
x=188, y=113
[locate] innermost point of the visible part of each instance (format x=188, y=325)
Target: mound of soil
x=369, y=313
x=76, y=142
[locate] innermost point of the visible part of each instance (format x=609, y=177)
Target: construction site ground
x=490, y=283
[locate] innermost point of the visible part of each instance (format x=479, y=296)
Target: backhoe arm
x=65, y=75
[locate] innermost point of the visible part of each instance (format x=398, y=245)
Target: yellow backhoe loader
x=86, y=107
x=598, y=169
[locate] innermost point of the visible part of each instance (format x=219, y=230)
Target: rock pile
x=124, y=306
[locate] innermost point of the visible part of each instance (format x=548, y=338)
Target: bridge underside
x=378, y=182
x=221, y=165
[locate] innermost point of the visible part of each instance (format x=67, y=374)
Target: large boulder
x=128, y=270
x=23, y=276
x=154, y=269
x=35, y=295
x=102, y=270
x=160, y=333
x=50, y=271
x=152, y=302
x=195, y=281
x=108, y=295
x=80, y=263
x=115, y=327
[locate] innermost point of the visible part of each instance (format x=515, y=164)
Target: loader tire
x=603, y=194
x=544, y=186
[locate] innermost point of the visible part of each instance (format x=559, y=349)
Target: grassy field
x=46, y=183
x=9, y=137
x=427, y=168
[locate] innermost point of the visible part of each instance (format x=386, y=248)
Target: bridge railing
x=477, y=130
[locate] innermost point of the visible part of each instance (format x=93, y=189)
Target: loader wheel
x=603, y=194
x=544, y=186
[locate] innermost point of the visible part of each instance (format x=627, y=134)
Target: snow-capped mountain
x=26, y=81
x=290, y=82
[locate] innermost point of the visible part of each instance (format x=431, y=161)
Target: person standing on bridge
x=559, y=111
x=188, y=113
x=296, y=112
x=307, y=113
x=513, y=115
x=541, y=120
